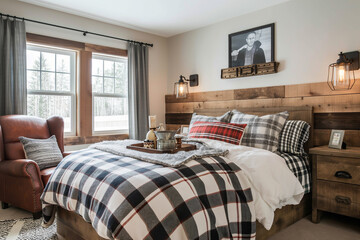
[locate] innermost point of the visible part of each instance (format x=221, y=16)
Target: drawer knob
x=343, y=200
x=343, y=174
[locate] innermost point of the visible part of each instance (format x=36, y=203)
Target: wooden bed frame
x=72, y=226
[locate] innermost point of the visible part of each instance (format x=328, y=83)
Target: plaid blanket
x=124, y=198
x=299, y=165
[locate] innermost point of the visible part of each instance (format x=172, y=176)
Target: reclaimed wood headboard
x=331, y=109
x=295, y=113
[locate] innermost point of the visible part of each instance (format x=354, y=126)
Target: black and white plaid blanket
x=299, y=165
x=124, y=198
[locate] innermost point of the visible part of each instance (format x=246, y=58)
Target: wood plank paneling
x=343, y=121
x=183, y=107
x=321, y=104
x=322, y=137
x=344, y=106
x=251, y=93
x=255, y=93
x=202, y=96
x=178, y=118
x=316, y=89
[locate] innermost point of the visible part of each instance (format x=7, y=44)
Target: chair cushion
x=46, y=174
x=45, y=152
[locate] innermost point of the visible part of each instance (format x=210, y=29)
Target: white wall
x=157, y=54
x=309, y=34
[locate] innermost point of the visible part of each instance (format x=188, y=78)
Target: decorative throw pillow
x=261, y=132
x=293, y=137
x=226, y=132
x=201, y=118
x=45, y=152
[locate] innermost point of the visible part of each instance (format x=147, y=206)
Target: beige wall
x=308, y=36
x=157, y=54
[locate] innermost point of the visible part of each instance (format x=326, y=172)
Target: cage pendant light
x=341, y=74
x=181, y=88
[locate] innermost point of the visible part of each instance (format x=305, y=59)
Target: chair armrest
x=19, y=168
x=66, y=154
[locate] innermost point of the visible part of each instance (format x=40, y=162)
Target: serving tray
x=140, y=147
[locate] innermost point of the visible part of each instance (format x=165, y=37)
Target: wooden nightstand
x=336, y=181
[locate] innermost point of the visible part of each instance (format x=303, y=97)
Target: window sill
x=93, y=139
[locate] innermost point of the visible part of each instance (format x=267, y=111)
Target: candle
x=152, y=121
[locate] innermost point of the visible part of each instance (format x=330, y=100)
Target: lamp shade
x=340, y=75
x=181, y=89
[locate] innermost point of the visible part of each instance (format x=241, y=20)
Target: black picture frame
x=264, y=46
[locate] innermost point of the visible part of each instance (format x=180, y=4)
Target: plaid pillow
x=261, y=132
x=293, y=136
x=201, y=118
x=226, y=132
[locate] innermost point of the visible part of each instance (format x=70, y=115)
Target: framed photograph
x=336, y=139
x=184, y=130
x=252, y=46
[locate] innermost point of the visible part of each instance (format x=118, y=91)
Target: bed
x=290, y=214
x=72, y=226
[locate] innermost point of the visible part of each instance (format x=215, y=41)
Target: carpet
x=26, y=229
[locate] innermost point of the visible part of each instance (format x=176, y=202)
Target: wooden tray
x=140, y=147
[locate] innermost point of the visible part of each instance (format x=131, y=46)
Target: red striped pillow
x=226, y=132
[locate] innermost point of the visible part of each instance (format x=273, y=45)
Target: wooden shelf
x=250, y=70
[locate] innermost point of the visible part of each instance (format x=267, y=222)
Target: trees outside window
x=110, y=94
x=51, y=84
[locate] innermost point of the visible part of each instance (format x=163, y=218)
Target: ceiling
x=161, y=17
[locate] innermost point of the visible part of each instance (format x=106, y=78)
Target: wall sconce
x=341, y=74
x=181, y=88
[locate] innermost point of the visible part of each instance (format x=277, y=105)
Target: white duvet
x=272, y=182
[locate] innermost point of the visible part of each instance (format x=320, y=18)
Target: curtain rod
x=76, y=30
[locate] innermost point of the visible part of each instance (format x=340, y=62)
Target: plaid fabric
x=226, y=132
x=299, y=165
x=201, y=118
x=261, y=132
x=293, y=136
x=125, y=198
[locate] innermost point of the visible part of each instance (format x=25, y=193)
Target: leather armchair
x=21, y=181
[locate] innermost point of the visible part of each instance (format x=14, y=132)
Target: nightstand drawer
x=339, y=198
x=339, y=169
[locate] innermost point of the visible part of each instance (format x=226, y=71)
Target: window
x=110, y=90
x=51, y=84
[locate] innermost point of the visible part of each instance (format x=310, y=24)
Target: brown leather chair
x=21, y=181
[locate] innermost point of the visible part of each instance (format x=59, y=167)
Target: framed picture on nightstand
x=336, y=139
x=184, y=130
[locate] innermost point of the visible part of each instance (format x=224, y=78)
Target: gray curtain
x=12, y=67
x=138, y=91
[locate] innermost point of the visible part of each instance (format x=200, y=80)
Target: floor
x=331, y=227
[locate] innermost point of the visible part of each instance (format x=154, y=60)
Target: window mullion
x=40, y=71
x=114, y=76
x=55, y=73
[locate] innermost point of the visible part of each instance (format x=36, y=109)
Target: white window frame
x=112, y=95
x=71, y=93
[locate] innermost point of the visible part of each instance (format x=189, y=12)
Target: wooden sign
x=250, y=70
